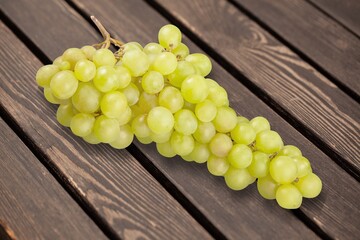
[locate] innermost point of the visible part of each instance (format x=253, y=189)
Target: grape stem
x=108, y=40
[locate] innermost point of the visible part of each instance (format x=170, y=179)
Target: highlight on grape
x=159, y=93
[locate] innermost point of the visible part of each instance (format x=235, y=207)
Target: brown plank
x=111, y=182
x=237, y=215
x=226, y=208
x=344, y=11
x=314, y=34
x=325, y=111
x=33, y=205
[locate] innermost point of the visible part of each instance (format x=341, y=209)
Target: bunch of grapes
x=159, y=93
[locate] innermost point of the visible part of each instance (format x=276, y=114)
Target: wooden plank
x=287, y=82
x=33, y=205
x=231, y=213
x=111, y=182
x=344, y=11
x=314, y=34
x=225, y=208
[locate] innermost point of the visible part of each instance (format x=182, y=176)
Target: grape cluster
x=159, y=93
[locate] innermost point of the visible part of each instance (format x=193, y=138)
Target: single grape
x=160, y=120
x=200, y=153
x=240, y=156
x=310, y=186
x=45, y=73
x=165, y=63
x=62, y=64
x=169, y=36
x=49, y=96
x=124, y=139
x=225, y=120
x=201, y=63
x=171, y=98
x=131, y=93
x=64, y=84
x=290, y=151
x=218, y=95
x=104, y=57
x=130, y=46
x=137, y=62
x=73, y=55
x=153, y=48
x=81, y=124
x=183, y=70
x=268, y=141
x=91, y=138
x=146, y=140
x=106, y=129
x=152, y=82
x=303, y=166
x=260, y=124
x=106, y=79
x=85, y=70
x=259, y=166
x=88, y=51
x=238, y=179
x=140, y=127
x=124, y=76
x=113, y=104
x=165, y=149
x=181, y=51
x=182, y=144
x=64, y=114
x=206, y=111
x=125, y=117
x=185, y=122
x=283, y=169
x=267, y=187
x=161, y=138
x=217, y=166
x=243, y=133
x=194, y=89
x=242, y=119
x=205, y=132
x=220, y=145
x=288, y=196
x=86, y=98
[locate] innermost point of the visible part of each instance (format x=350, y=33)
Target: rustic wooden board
x=135, y=22
x=33, y=205
x=344, y=11
x=314, y=34
x=112, y=183
x=314, y=103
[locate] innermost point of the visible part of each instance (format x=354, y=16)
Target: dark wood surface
x=118, y=187
x=32, y=201
x=287, y=82
x=112, y=183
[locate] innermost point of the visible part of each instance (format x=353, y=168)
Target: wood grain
x=344, y=11
x=335, y=211
x=108, y=171
x=33, y=205
x=111, y=182
x=288, y=82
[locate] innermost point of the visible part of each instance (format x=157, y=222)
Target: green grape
x=81, y=124
x=310, y=186
x=181, y=51
x=64, y=84
x=161, y=138
x=136, y=62
x=260, y=124
x=113, y=104
x=131, y=93
x=238, y=179
x=189, y=106
x=86, y=98
x=152, y=82
x=242, y=119
x=61, y=63
x=288, y=196
x=200, y=153
x=91, y=138
x=194, y=89
x=145, y=140
x=104, y=57
x=185, y=122
x=106, y=79
x=201, y=63
x=187, y=158
x=169, y=36
x=182, y=144
x=106, y=129
x=303, y=166
x=88, y=51
x=290, y=151
x=45, y=73
x=130, y=46
x=243, y=133
x=165, y=63
x=183, y=70
x=220, y=145
x=140, y=127
x=267, y=187
x=124, y=139
x=124, y=76
x=283, y=169
x=64, y=114
x=218, y=96
x=225, y=120
x=259, y=166
x=125, y=117
x=49, y=96
x=217, y=166
x=160, y=120
x=85, y=70
x=205, y=132
x=206, y=111
x=73, y=55
x=153, y=48
x=171, y=98
x=165, y=149
x=147, y=102
x=268, y=141
x=240, y=156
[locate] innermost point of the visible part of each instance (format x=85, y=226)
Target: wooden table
x=295, y=62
